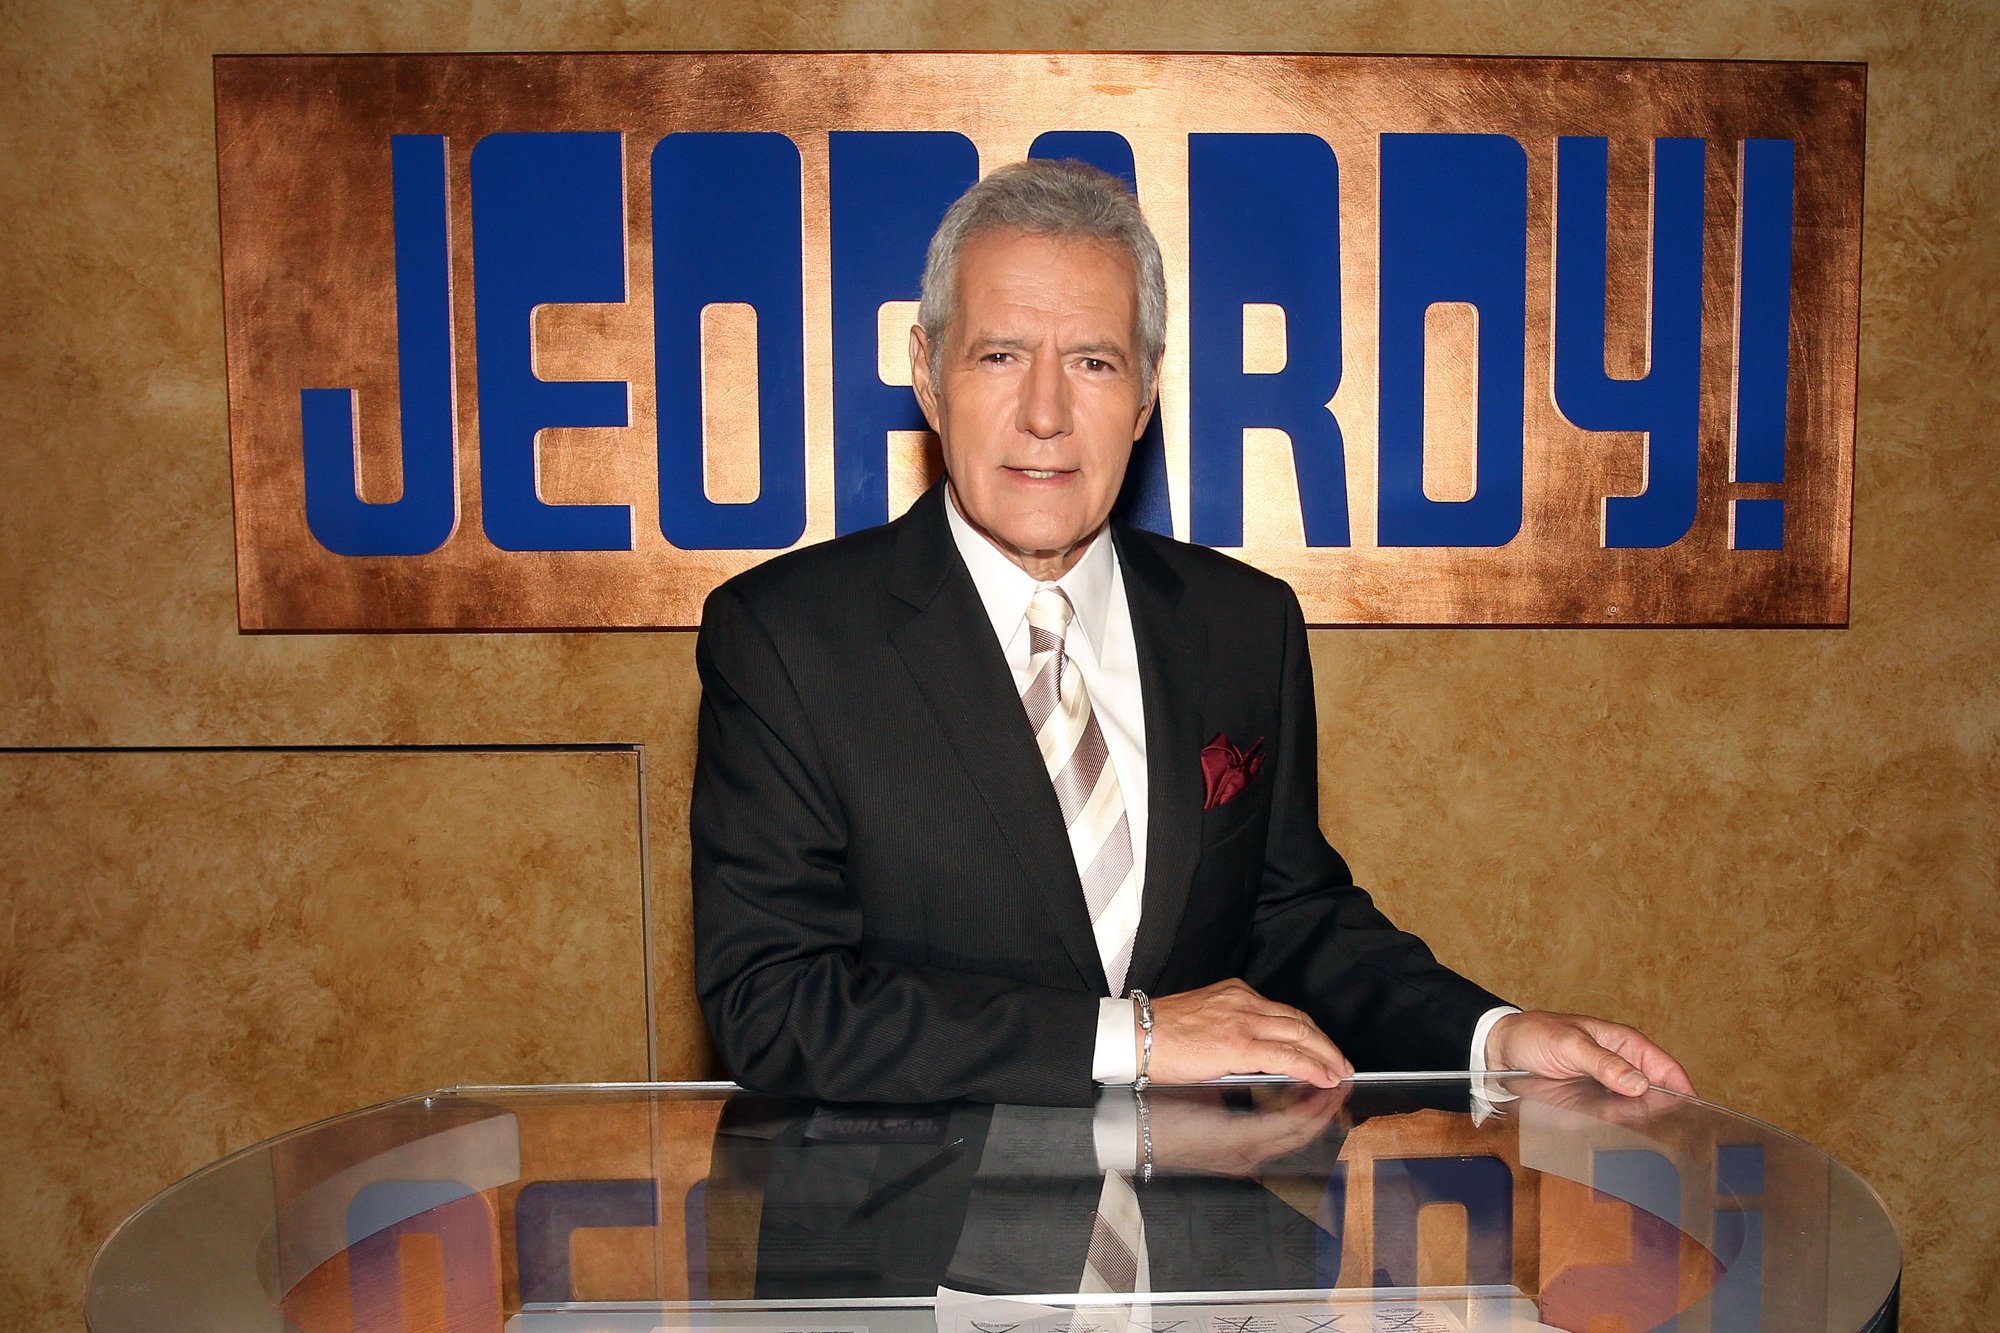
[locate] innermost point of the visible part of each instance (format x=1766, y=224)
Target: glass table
x=1422, y=1204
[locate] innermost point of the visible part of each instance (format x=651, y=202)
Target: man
x=967, y=780
x=866, y=1201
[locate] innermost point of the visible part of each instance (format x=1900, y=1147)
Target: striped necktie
x=1116, y=1263
x=1079, y=764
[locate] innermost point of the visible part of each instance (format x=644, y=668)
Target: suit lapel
x=948, y=646
x=1173, y=666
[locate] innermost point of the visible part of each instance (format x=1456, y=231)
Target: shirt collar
x=1004, y=587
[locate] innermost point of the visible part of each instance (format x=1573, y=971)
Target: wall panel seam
x=647, y=967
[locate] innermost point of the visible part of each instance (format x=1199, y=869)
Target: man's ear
x=920, y=376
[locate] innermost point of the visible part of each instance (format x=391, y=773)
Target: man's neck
x=1042, y=566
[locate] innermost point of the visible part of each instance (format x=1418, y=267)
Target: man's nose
x=1044, y=409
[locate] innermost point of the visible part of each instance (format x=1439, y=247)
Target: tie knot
x=1050, y=611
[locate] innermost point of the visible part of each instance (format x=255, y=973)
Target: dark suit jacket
x=886, y=907
x=847, y=1213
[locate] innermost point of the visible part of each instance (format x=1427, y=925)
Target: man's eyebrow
x=1005, y=342
x=997, y=342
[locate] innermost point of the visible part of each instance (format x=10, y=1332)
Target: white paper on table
x=1337, y=1311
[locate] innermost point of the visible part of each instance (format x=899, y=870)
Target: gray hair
x=1064, y=199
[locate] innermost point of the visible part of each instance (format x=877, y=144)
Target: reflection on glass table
x=1418, y=1204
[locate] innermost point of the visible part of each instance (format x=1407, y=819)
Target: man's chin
x=1039, y=552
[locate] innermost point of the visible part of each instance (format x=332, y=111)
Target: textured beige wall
x=205, y=948
x=1777, y=850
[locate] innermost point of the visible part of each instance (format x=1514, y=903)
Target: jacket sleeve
x=1319, y=942
x=793, y=996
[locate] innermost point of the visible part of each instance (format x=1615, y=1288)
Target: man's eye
x=997, y=358
x=1095, y=365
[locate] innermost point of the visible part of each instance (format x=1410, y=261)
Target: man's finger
x=1294, y=1062
x=1316, y=1045
x=1591, y=1051
x=1287, y=1025
x=1660, y=1069
x=1619, y=1075
x=1667, y=1073
x=1639, y=1051
x=1318, y=1049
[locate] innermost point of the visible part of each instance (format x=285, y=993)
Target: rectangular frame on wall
x=482, y=908
x=562, y=341
x=208, y=945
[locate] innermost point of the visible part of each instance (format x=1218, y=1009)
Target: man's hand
x=1194, y=1130
x=1595, y=1101
x=1228, y=1028
x=1578, y=1046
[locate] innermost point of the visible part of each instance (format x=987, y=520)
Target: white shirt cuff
x=1487, y=1093
x=1114, y=1131
x=1484, y=1029
x=1115, y=1059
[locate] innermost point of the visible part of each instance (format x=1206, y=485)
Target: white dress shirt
x=1101, y=646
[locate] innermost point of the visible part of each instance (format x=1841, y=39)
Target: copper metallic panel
x=309, y=302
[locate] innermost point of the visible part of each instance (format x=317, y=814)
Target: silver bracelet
x=1144, y=1080
x=1145, y=1138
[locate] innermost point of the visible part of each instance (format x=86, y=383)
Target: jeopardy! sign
x=563, y=341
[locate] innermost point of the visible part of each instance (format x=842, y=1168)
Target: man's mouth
x=1041, y=474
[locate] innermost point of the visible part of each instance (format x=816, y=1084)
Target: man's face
x=1038, y=400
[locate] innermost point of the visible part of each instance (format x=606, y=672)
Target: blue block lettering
x=727, y=227
x=1454, y=226
x=1263, y=227
x=1739, y=1245
x=424, y=516
x=1665, y=403
x=886, y=193
x=1646, y=1277
x=1107, y=150
x=548, y=227
x=1739, y=1169
x=1483, y=1186
x=1739, y=1234
x=465, y=1232
x=386, y=1203
x=1641, y=1177
x=1763, y=331
x=548, y=1213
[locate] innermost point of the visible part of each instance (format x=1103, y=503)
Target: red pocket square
x=1227, y=770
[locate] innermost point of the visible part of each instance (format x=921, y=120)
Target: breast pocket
x=1222, y=902
x=1251, y=809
